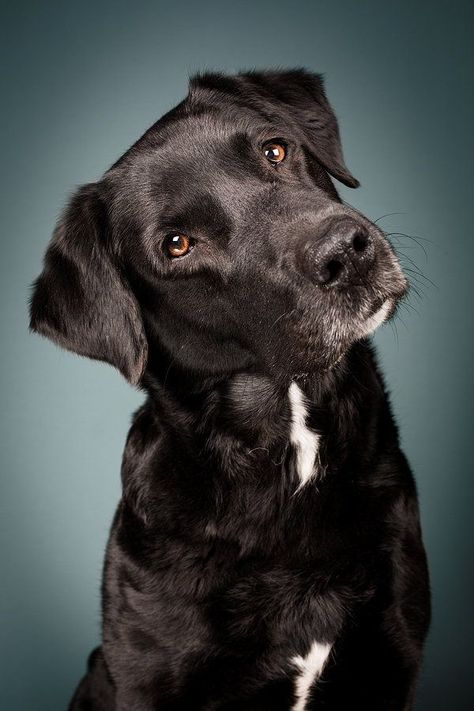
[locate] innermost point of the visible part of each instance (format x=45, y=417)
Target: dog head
x=218, y=242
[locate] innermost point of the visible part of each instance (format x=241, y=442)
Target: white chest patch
x=310, y=668
x=305, y=441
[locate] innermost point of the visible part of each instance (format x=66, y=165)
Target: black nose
x=343, y=255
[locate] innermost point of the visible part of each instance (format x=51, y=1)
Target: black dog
x=266, y=553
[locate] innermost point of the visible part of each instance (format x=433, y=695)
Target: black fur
x=220, y=567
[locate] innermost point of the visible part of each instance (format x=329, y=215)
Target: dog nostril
x=360, y=241
x=330, y=272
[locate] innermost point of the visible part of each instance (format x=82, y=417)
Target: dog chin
x=320, y=357
x=380, y=315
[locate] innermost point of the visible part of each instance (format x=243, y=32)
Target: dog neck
x=249, y=423
x=237, y=458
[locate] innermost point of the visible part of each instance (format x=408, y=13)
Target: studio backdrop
x=81, y=82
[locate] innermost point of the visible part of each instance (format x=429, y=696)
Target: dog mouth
x=379, y=314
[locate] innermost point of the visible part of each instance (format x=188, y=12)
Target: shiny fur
x=229, y=579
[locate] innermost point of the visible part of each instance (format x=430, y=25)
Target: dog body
x=266, y=552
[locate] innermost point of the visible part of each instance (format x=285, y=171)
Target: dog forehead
x=211, y=138
x=202, y=125
x=196, y=142
x=195, y=155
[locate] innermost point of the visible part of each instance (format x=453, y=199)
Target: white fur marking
x=378, y=317
x=310, y=667
x=304, y=440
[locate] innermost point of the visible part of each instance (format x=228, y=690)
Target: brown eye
x=177, y=245
x=274, y=152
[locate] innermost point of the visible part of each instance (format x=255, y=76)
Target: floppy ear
x=80, y=300
x=303, y=95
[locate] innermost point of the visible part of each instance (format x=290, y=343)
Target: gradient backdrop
x=82, y=82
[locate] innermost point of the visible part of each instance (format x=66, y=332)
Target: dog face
x=218, y=242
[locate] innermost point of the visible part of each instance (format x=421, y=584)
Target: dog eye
x=177, y=245
x=274, y=152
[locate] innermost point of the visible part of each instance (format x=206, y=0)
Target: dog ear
x=80, y=300
x=302, y=93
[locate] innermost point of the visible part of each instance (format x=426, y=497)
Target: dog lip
x=379, y=316
x=381, y=303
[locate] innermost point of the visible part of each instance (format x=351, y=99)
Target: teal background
x=81, y=82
